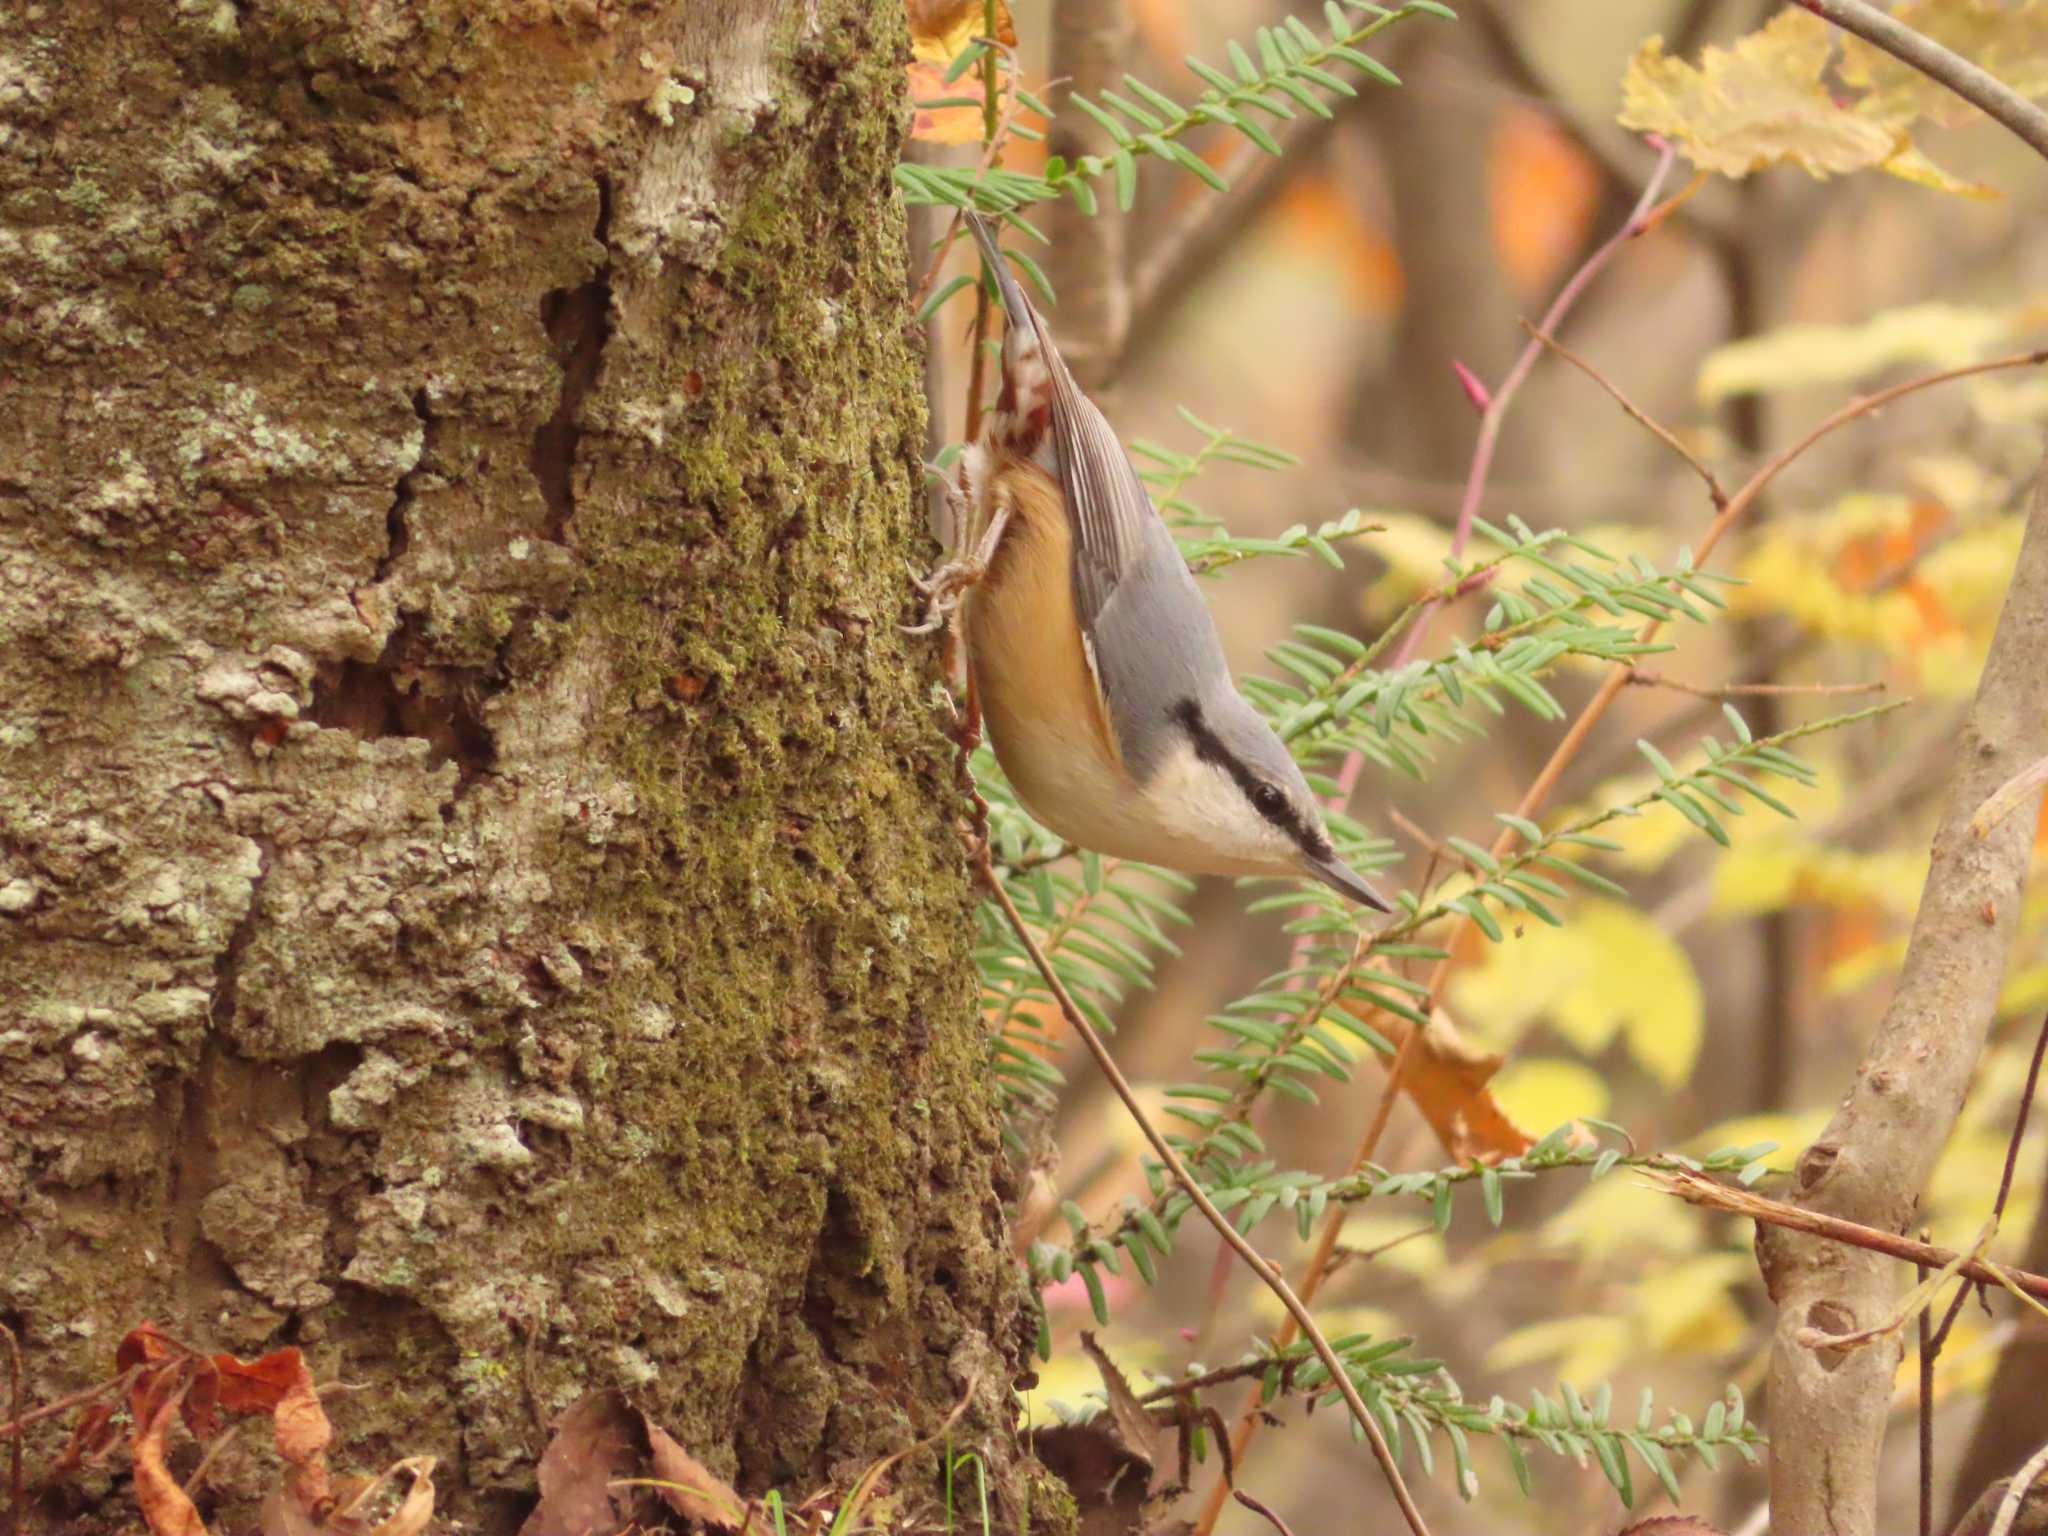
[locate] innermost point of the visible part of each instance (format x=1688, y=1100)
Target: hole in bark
x=1815, y=1164
x=1827, y=1317
x=396, y=696
x=578, y=323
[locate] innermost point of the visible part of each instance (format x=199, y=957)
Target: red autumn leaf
x=303, y=1435
x=258, y=1386
x=163, y=1503
x=91, y=1437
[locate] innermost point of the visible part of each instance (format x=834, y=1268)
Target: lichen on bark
x=478, y=889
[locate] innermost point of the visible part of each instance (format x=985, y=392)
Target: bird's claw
x=942, y=590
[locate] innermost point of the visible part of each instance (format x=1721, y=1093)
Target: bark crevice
x=578, y=324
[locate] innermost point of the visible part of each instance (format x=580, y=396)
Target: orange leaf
x=164, y=1504
x=303, y=1435
x=940, y=31
x=1447, y=1077
x=90, y=1437
x=1542, y=191
x=950, y=25
x=257, y=1386
x=950, y=125
x=144, y=1343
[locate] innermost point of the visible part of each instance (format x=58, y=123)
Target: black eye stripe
x=1268, y=799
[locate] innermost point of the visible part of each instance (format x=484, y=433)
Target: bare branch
x=1644, y=677
x=1710, y=1194
x=1091, y=42
x=1869, y=1165
x=1670, y=439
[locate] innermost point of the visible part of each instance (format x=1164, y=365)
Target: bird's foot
x=942, y=591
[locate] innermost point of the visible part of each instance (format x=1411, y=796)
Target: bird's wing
x=1119, y=544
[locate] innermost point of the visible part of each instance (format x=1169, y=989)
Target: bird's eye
x=1268, y=799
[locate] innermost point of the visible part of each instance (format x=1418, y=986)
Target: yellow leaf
x=1617, y=1215
x=1586, y=1348
x=1796, y=356
x=1768, y=101
x=2009, y=41
x=1542, y=1091
x=1423, y=1257
x=1687, y=1309
x=1758, y=104
x=1910, y=163
x=1609, y=970
x=939, y=31
x=1791, y=1132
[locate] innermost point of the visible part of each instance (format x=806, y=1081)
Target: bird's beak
x=1346, y=881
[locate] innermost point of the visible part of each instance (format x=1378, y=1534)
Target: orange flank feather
x=1044, y=710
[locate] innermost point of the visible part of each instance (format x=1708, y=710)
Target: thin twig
x=1163, y=1150
x=1986, y=92
x=16, y=1482
x=1643, y=677
x=991, y=149
x=1715, y=491
x=2016, y=1492
x=72, y=1400
x=220, y=1443
x=1925, y=1414
x=1695, y=1189
x=1256, y=1507
x=2012, y=1158
x=1641, y=217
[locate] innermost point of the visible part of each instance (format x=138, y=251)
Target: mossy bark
x=479, y=897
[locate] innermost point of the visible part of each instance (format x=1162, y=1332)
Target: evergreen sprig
x=1292, y=64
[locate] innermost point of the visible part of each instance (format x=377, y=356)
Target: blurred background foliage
x=1719, y=1002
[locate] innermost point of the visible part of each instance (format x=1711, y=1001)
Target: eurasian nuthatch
x=1096, y=664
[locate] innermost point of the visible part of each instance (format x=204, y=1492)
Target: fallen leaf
x=257, y=1386
x=412, y=1514
x=690, y=1488
x=303, y=1435
x=1142, y=1437
x=163, y=1503
x=596, y=1440
x=91, y=1437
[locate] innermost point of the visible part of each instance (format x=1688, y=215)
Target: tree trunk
x=479, y=897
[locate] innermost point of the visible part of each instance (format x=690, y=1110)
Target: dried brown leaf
x=689, y=1487
x=597, y=1440
x=1446, y=1077
x=1139, y=1433
x=260, y=1385
x=91, y=1437
x=303, y=1435
x=164, y=1504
